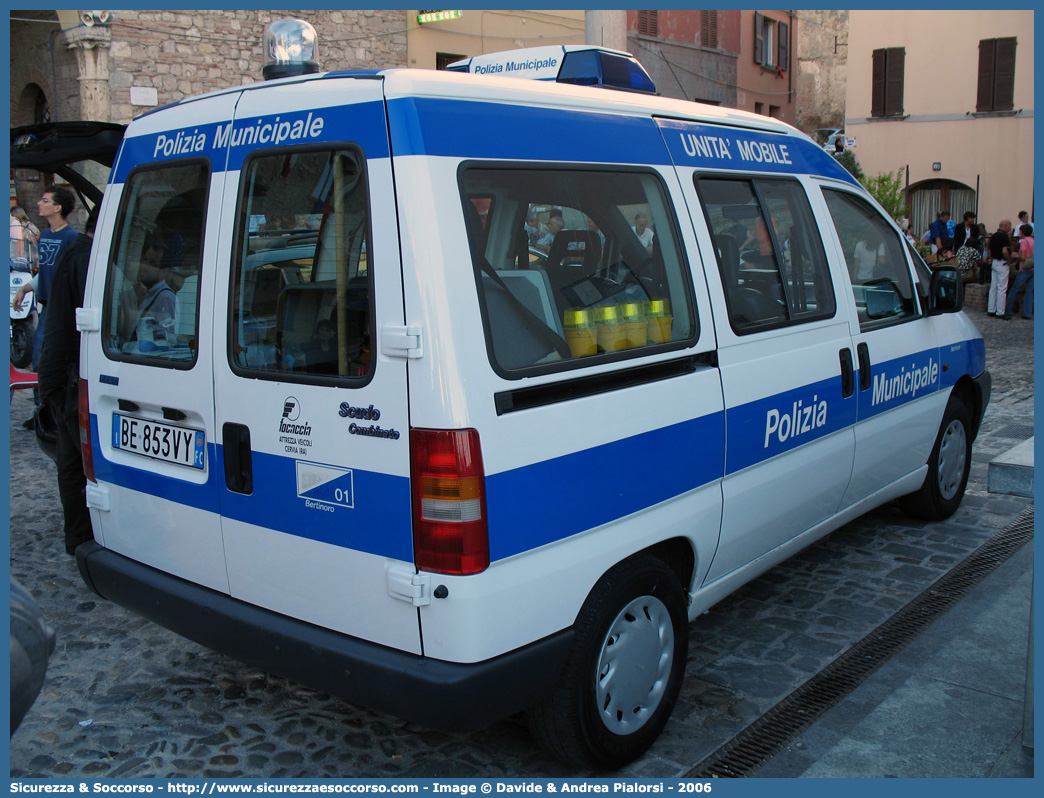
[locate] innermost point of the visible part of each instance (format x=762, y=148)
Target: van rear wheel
x=948, y=467
x=623, y=674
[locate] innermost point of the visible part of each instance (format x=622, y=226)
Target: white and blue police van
x=459, y=395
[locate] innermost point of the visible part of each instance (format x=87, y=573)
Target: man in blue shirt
x=939, y=235
x=53, y=207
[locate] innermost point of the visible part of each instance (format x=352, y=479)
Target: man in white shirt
x=644, y=233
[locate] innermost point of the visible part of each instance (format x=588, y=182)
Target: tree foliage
x=887, y=189
x=849, y=162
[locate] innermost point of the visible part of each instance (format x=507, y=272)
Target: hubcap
x=953, y=450
x=634, y=665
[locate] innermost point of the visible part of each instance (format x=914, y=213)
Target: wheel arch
x=973, y=395
x=679, y=555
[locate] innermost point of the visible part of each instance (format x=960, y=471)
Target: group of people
x=541, y=236
x=59, y=285
x=1009, y=251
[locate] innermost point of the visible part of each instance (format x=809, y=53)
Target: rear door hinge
x=88, y=319
x=402, y=341
x=408, y=586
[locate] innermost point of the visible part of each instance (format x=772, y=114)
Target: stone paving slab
x=948, y=705
x=126, y=698
x=1012, y=472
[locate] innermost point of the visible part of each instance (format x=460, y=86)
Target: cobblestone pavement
x=126, y=698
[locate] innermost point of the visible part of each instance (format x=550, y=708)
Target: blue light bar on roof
x=580, y=64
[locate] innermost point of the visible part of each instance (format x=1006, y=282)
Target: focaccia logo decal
x=295, y=437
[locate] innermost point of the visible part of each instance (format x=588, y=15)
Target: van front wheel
x=948, y=467
x=624, y=672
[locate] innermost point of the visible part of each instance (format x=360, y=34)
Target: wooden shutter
x=877, y=90
x=709, y=29
x=1004, y=75
x=648, y=23
x=984, y=97
x=895, y=67
x=783, y=60
x=759, y=38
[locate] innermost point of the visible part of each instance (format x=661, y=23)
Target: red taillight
x=449, y=501
x=84, y=412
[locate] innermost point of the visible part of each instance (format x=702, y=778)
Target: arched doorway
x=929, y=197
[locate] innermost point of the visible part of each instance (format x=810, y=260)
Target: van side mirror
x=947, y=291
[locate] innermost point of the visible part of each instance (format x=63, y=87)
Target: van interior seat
x=578, y=243
x=299, y=309
x=532, y=288
x=185, y=308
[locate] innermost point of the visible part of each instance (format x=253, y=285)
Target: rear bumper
x=441, y=695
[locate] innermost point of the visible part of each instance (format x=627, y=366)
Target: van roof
x=402, y=82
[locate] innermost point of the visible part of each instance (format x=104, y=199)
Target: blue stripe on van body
x=964, y=358
x=719, y=147
x=896, y=382
x=474, y=129
x=765, y=428
x=479, y=129
x=554, y=499
x=905, y=379
x=361, y=123
x=379, y=523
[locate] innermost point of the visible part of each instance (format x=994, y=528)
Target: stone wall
x=181, y=54
x=144, y=59
x=821, y=69
x=693, y=72
x=41, y=63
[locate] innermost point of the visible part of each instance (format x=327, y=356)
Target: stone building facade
x=821, y=69
x=111, y=66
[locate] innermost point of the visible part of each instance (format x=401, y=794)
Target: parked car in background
x=827, y=137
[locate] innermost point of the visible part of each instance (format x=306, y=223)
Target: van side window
x=575, y=266
x=876, y=261
x=151, y=297
x=770, y=255
x=301, y=296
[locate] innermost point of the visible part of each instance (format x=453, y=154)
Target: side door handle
x=865, y=377
x=847, y=373
x=239, y=471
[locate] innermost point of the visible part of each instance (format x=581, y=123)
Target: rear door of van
x=311, y=412
x=148, y=348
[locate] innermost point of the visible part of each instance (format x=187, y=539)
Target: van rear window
x=301, y=290
x=151, y=297
x=575, y=266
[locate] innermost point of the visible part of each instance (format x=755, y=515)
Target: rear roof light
x=84, y=413
x=448, y=483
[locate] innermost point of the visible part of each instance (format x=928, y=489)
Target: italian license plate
x=181, y=445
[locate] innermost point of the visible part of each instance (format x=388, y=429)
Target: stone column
x=91, y=45
x=606, y=29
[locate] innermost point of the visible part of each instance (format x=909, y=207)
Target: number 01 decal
x=325, y=485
